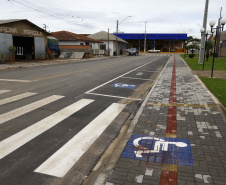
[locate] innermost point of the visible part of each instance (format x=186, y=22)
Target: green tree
x=192, y=47
x=209, y=45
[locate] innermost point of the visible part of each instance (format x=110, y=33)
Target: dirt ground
x=216, y=73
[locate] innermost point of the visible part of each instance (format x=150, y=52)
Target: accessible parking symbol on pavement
x=162, y=150
x=121, y=85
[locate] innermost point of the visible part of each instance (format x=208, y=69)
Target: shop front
x=22, y=40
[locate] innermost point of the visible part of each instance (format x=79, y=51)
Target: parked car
x=133, y=51
x=153, y=51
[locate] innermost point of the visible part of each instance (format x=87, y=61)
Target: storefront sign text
x=31, y=32
x=8, y=30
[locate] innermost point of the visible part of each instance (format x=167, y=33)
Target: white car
x=153, y=51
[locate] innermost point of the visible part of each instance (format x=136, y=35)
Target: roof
x=103, y=35
x=153, y=36
x=69, y=36
x=25, y=20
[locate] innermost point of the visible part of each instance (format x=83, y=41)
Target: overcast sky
x=90, y=16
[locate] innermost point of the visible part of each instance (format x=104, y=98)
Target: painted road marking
x=15, y=80
x=4, y=91
x=162, y=150
x=63, y=160
x=138, y=78
x=179, y=105
x=19, y=139
x=120, y=97
x=120, y=76
x=15, y=98
x=28, y=108
x=139, y=74
x=121, y=85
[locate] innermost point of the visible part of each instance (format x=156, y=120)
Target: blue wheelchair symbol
x=121, y=85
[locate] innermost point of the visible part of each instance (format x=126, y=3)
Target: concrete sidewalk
x=37, y=63
x=179, y=137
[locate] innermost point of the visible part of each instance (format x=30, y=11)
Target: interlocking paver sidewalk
x=179, y=137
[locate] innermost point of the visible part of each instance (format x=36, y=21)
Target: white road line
x=27, y=108
x=149, y=71
x=120, y=97
x=62, y=161
x=4, y=91
x=19, y=139
x=121, y=76
x=139, y=74
x=136, y=78
x=14, y=80
x=15, y=98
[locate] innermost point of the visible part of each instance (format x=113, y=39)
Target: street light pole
x=212, y=23
x=117, y=38
x=185, y=43
x=145, y=38
x=117, y=33
x=201, y=53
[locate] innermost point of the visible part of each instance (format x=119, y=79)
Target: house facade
x=109, y=43
x=72, y=42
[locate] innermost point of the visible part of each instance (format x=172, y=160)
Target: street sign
x=121, y=85
x=161, y=150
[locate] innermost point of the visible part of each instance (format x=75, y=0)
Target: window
x=103, y=46
x=81, y=44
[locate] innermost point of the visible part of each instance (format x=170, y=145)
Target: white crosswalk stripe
x=4, y=91
x=19, y=139
x=15, y=98
x=62, y=161
x=27, y=108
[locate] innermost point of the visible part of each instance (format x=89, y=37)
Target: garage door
x=6, y=40
x=40, y=52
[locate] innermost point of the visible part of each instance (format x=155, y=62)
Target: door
x=6, y=40
x=40, y=51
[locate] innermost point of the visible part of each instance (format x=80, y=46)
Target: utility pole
x=45, y=27
x=145, y=38
x=201, y=53
x=108, y=43
x=218, y=34
x=117, y=38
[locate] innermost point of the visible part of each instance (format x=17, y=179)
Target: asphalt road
x=56, y=121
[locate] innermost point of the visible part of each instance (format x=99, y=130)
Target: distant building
x=28, y=39
x=109, y=41
x=165, y=42
x=69, y=41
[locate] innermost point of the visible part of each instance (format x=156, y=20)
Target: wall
x=23, y=28
x=111, y=47
x=71, y=43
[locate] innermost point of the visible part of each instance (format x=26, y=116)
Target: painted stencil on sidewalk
x=162, y=150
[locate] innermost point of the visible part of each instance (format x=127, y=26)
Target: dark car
x=133, y=51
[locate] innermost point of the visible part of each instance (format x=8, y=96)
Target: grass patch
x=219, y=63
x=217, y=87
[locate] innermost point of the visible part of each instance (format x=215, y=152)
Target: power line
x=62, y=18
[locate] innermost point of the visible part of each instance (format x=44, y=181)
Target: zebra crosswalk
x=65, y=157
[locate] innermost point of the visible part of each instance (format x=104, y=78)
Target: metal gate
x=6, y=40
x=40, y=52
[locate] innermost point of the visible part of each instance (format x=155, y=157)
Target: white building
x=109, y=41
